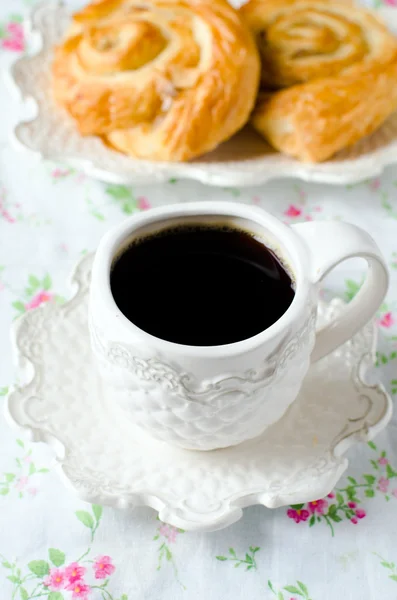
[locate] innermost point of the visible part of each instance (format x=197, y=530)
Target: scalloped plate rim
x=232, y=506
x=358, y=170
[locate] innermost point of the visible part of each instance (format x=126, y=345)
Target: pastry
x=328, y=78
x=158, y=79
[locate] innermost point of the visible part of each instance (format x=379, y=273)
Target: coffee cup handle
x=330, y=243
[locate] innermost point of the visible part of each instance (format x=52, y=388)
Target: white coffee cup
x=207, y=397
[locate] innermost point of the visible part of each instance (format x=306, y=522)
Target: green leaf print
x=390, y=566
x=47, y=282
x=55, y=596
x=85, y=518
x=298, y=590
x=23, y=593
x=97, y=510
x=19, y=306
x=292, y=589
x=352, y=287
x=303, y=588
x=124, y=195
x=119, y=191
x=39, y=567
x=249, y=559
x=15, y=18
x=56, y=557
x=33, y=281
x=370, y=479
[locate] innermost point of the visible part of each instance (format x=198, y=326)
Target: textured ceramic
x=242, y=161
x=204, y=398
x=105, y=459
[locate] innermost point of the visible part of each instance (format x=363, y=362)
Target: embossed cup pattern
x=174, y=406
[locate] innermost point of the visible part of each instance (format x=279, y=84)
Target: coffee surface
x=201, y=285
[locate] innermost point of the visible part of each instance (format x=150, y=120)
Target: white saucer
x=106, y=459
x=244, y=160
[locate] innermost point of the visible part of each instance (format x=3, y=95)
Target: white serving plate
x=244, y=160
x=106, y=459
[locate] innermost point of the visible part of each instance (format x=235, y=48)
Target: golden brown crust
x=338, y=64
x=158, y=79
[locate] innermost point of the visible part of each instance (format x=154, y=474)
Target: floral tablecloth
x=56, y=547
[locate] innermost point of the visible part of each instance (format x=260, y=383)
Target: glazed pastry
x=329, y=75
x=158, y=79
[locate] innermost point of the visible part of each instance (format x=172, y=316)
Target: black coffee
x=201, y=285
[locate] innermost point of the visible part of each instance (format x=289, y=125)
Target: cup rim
x=285, y=236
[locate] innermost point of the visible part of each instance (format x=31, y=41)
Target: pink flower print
x=391, y=2
x=6, y=215
x=169, y=532
x=74, y=572
x=27, y=459
x=354, y=520
x=103, y=567
x=331, y=495
x=374, y=184
x=318, y=506
x=15, y=29
x=79, y=589
x=81, y=177
x=13, y=44
x=383, y=484
x=387, y=320
x=351, y=504
x=256, y=200
x=21, y=483
x=143, y=203
x=360, y=513
x=298, y=515
x=55, y=580
x=293, y=211
x=383, y=460
x=15, y=38
x=59, y=173
x=32, y=491
x=38, y=299
x=394, y=492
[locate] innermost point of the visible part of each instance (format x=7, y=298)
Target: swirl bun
x=329, y=74
x=158, y=79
